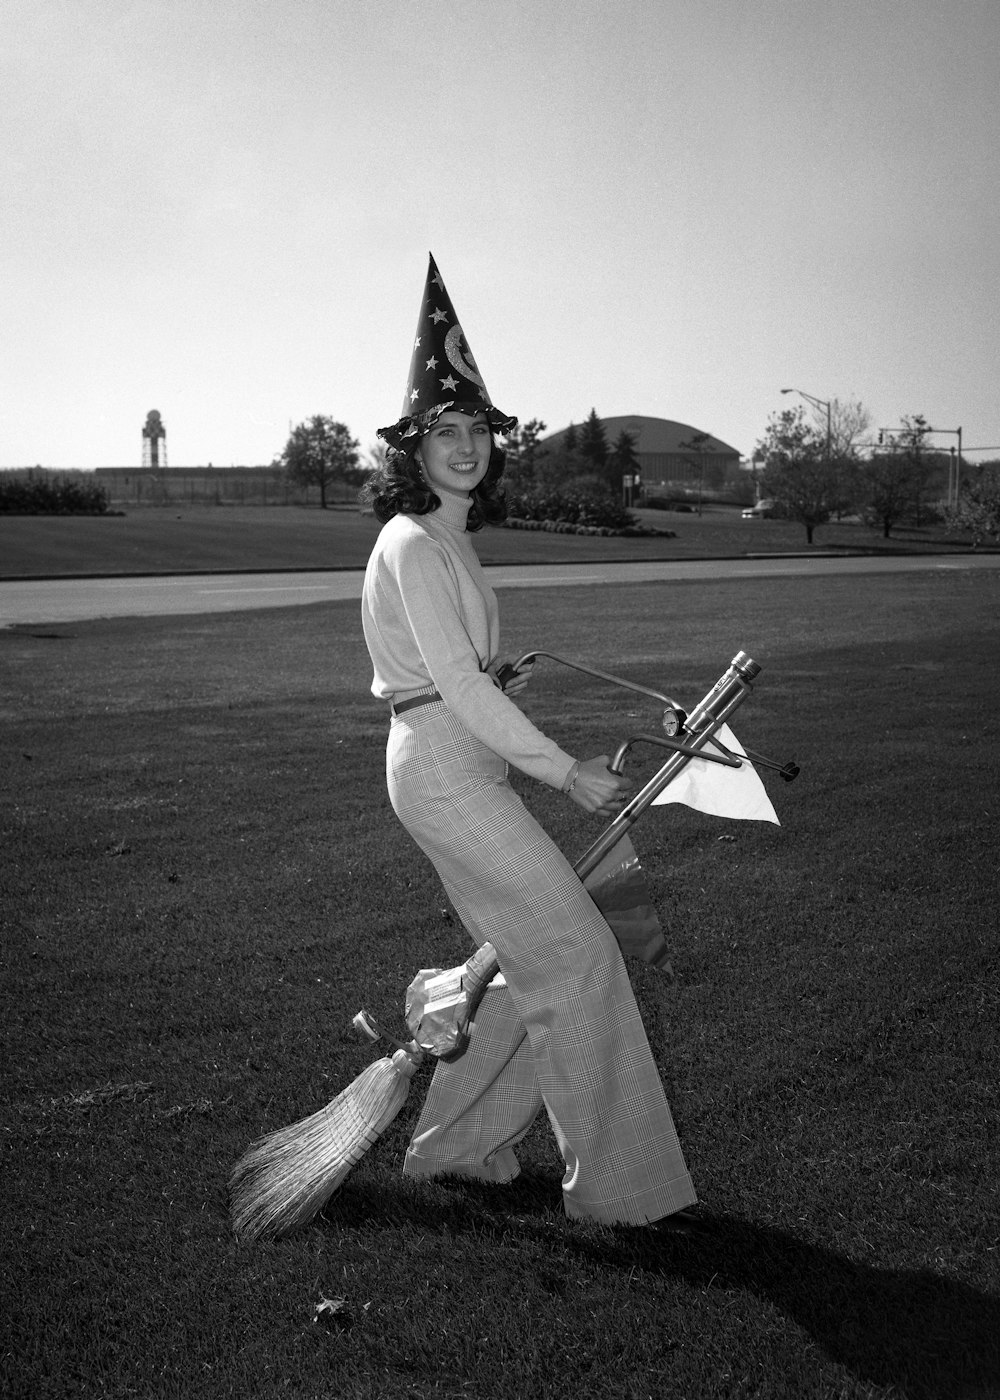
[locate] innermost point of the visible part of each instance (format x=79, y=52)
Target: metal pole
x=711, y=712
x=958, y=467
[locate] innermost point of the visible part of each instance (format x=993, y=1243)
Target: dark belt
x=412, y=704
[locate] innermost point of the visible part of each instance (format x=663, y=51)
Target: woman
x=564, y=1032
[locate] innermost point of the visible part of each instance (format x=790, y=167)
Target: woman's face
x=455, y=454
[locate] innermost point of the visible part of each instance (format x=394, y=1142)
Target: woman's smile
x=455, y=453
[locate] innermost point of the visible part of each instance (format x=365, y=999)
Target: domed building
x=674, y=458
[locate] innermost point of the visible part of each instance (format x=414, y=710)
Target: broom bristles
x=285, y=1178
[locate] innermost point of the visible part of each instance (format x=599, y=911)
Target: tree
x=894, y=480
x=594, y=442
x=978, y=508
x=849, y=422
x=623, y=462
x=695, y=450
x=320, y=452
x=799, y=476
x=378, y=456
x=523, y=451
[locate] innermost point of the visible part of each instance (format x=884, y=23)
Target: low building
x=675, y=459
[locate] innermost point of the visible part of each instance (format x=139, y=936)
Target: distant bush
x=47, y=495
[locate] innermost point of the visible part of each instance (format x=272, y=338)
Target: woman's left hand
x=516, y=681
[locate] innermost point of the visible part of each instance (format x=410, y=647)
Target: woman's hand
x=512, y=682
x=598, y=790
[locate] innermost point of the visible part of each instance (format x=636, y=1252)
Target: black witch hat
x=443, y=373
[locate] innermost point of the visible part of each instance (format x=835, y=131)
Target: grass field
x=197, y=539
x=202, y=881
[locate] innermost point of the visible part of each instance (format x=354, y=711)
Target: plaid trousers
x=565, y=1032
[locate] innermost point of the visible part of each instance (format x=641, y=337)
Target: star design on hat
x=438, y=315
x=432, y=362
x=414, y=395
x=437, y=280
x=450, y=383
x=416, y=343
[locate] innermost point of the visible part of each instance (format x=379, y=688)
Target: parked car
x=763, y=510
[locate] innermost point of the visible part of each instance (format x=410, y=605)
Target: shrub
x=579, y=505
x=35, y=494
x=978, y=509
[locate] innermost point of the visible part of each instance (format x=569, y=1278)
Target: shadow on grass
x=931, y=1337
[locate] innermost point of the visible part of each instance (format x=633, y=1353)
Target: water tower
x=153, y=435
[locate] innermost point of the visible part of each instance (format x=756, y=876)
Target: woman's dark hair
x=399, y=488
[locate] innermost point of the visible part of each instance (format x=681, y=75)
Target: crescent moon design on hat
x=460, y=356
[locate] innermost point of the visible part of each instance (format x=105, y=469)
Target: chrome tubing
x=601, y=675
x=708, y=716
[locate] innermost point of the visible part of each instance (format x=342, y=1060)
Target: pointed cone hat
x=443, y=372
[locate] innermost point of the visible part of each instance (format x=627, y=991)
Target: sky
x=222, y=209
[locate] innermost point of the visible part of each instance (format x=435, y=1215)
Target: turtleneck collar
x=453, y=511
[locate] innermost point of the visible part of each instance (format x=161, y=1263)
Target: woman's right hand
x=598, y=790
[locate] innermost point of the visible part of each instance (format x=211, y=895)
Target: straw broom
x=287, y=1177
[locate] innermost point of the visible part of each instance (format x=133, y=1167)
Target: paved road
x=74, y=600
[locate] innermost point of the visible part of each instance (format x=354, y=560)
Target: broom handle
x=480, y=971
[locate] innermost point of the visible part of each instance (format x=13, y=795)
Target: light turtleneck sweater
x=431, y=621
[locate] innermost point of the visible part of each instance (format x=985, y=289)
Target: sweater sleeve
x=430, y=598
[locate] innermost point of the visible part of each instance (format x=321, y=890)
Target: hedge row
x=568, y=527
x=584, y=510
x=45, y=496
x=573, y=507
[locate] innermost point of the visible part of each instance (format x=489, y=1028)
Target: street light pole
x=819, y=403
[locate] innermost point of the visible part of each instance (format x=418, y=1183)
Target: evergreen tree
x=594, y=442
x=623, y=461
x=523, y=451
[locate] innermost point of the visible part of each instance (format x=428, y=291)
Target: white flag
x=721, y=791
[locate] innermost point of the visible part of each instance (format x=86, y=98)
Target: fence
x=252, y=486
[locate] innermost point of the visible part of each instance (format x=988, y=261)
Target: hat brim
x=415, y=425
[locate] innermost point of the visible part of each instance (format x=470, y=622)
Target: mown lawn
x=199, y=539
x=202, y=881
